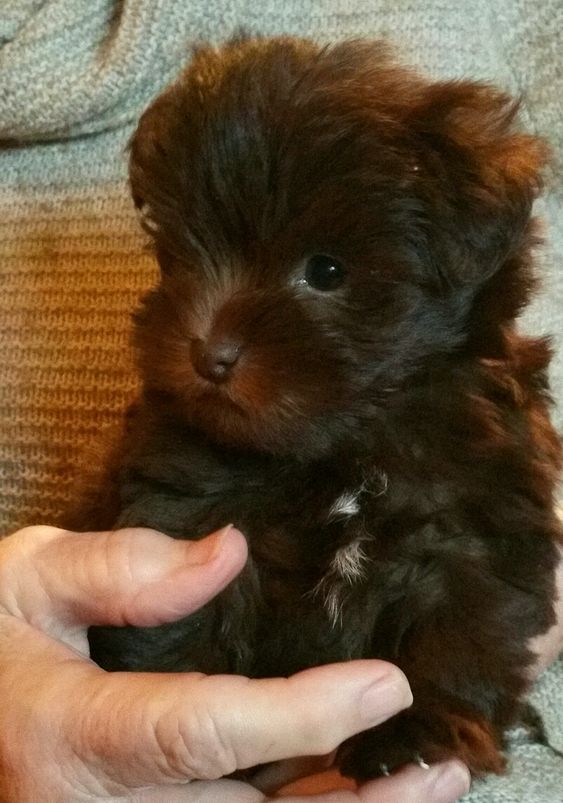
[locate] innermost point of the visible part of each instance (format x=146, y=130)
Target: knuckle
x=29, y=538
x=15, y=549
x=194, y=748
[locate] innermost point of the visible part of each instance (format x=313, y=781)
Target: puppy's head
x=327, y=226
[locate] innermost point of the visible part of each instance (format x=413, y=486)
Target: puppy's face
x=326, y=225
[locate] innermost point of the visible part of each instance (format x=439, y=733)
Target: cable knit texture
x=74, y=77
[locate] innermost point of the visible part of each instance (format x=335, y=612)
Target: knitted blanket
x=74, y=77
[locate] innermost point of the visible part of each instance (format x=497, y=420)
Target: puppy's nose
x=214, y=359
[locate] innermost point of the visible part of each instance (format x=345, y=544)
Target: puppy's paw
x=423, y=739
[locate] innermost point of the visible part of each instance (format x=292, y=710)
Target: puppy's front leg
x=433, y=730
x=467, y=661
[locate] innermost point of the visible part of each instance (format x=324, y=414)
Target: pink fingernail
x=208, y=548
x=388, y=695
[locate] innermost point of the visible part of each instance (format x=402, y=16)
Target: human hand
x=71, y=732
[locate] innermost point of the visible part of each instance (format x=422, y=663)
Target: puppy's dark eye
x=324, y=273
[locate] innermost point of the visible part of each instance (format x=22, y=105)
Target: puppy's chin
x=285, y=426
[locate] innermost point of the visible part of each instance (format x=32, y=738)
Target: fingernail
x=448, y=782
x=386, y=696
x=207, y=549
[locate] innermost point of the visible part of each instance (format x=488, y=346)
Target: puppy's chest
x=317, y=545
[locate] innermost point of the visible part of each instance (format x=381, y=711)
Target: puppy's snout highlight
x=214, y=359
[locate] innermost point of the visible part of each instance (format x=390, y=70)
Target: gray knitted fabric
x=74, y=76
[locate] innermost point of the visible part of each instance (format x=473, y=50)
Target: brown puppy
x=330, y=362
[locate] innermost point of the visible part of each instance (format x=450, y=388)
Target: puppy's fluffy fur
x=330, y=362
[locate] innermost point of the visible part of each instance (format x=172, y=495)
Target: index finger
x=165, y=728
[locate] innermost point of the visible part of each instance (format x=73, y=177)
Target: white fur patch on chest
x=345, y=505
x=349, y=562
x=347, y=567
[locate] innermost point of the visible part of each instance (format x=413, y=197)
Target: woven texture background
x=74, y=76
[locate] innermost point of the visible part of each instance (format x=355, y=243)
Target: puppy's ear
x=482, y=178
x=160, y=167
x=155, y=166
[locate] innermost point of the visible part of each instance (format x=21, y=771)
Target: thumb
x=56, y=580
